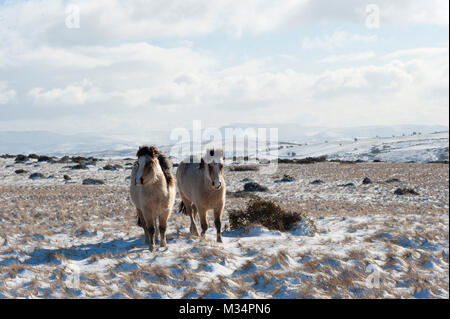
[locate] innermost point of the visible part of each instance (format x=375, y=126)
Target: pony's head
x=213, y=163
x=148, y=165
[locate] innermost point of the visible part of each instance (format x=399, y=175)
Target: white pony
x=153, y=192
x=202, y=187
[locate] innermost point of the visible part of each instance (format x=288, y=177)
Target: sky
x=132, y=67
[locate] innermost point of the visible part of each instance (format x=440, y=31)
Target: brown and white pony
x=153, y=192
x=202, y=187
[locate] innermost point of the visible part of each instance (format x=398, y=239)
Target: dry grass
x=33, y=216
x=244, y=168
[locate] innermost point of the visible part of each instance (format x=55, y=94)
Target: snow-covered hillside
x=417, y=148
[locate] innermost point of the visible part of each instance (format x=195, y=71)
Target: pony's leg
x=151, y=232
x=155, y=223
x=162, y=227
x=218, y=222
x=190, y=211
x=193, y=215
x=203, y=221
x=147, y=236
x=143, y=225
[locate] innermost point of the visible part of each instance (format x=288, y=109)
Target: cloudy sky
x=129, y=67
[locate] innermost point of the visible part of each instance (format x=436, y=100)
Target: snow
x=45, y=253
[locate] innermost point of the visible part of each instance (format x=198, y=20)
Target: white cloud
x=113, y=75
x=76, y=94
x=336, y=40
x=112, y=21
x=422, y=52
x=6, y=95
x=255, y=90
x=360, y=56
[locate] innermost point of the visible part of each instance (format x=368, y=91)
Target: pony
x=152, y=191
x=202, y=187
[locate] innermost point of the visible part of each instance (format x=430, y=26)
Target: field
x=62, y=239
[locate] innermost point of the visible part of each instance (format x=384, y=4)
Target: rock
x=44, y=158
x=20, y=171
x=254, y=187
x=21, y=158
x=34, y=156
x=35, y=176
x=393, y=180
x=317, y=182
x=92, y=181
x=347, y=185
x=286, y=178
x=64, y=159
x=247, y=180
x=67, y=177
x=7, y=156
x=109, y=167
x=366, y=181
x=79, y=166
x=405, y=191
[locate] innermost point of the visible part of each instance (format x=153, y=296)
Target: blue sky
x=136, y=66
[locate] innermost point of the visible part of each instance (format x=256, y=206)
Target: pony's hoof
x=194, y=233
x=219, y=240
x=151, y=248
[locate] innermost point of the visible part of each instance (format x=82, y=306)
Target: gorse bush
x=265, y=213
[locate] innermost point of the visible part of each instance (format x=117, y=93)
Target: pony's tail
x=182, y=208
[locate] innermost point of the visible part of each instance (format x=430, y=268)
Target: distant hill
x=303, y=141
x=314, y=134
x=44, y=142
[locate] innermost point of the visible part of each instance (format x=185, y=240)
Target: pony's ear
x=202, y=164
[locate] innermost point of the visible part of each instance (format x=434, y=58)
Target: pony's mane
x=163, y=160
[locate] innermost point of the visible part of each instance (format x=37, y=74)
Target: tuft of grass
x=307, y=160
x=243, y=168
x=265, y=213
x=241, y=194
